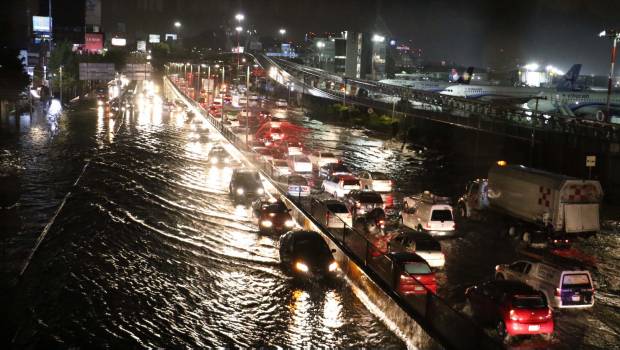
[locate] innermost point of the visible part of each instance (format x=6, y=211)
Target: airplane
x=512, y=95
x=432, y=86
x=577, y=103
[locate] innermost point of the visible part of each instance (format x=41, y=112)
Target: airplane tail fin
x=453, y=77
x=466, y=77
x=569, y=80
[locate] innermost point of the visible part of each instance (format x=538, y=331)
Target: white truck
x=533, y=200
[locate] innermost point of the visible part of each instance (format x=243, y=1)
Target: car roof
x=407, y=257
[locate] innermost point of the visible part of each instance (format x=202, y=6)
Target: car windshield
x=337, y=208
x=529, y=302
x=281, y=163
x=338, y=168
x=379, y=176
x=297, y=180
x=276, y=208
x=417, y=268
x=576, y=280
x=247, y=178
x=428, y=245
x=312, y=245
x=370, y=197
x=302, y=160
x=441, y=215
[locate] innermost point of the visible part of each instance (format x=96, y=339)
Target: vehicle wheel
x=502, y=332
x=499, y=277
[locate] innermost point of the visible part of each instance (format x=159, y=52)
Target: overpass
x=504, y=120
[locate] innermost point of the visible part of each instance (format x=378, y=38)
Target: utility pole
x=61, y=85
x=247, y=105
x=614, y=36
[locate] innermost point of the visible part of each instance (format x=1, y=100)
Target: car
x=340, y=185
x=245, y=185
x=293, y=148
x=219, y=156
x=306, y=255
x=281, y=103
x=360, y=202
x=376, y=181
x=334, y=169
x=412, y=275
x=563, y=287
x=272, y=216
x=300, y=164
x=243, y=101
x=428, y=212
x=263, y=115
x=266, y=154
x=227, y=99
x=512, y=307
x=372, y=224
x=297, y=186
x=420, y=243
x=321, y=158
x=334, y=214
x=279, y=167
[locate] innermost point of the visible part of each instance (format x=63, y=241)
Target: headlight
x=99, y=103
x=239, y=191
x=333, y=266
x=289, y=223
x=301, y=266
x=214, y=161
x=260, y=191
x=266, y=223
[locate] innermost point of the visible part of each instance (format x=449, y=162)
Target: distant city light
x=282, y=31
x=239, y=17
x=320, y=44
x=378, y=38
x=553, y=70
x=177, y=24
x=392, y=42
x=239, y=29
x=532, y=66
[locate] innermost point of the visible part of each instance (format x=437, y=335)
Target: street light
x=282, y=32
x=614, y=36
x=239, y=17
x=320, y=45
x=378, y=38
x=177, y=24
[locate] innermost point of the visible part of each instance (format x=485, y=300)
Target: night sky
x=471, y=32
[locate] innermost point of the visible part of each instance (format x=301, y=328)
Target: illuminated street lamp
x=177, y=24
x=378, y=38
x=282, y=32
x=239, y=17
x=320, y=45
x=614, y=36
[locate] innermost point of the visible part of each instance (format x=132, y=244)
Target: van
x=563, y=287
x=428, y=212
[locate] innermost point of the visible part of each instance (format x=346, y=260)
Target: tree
x=63, y=56
x=13, y=79
x=159, y=55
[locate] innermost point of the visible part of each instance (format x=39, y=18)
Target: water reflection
x=300, y=331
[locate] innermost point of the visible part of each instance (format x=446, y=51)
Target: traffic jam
x=541, y=215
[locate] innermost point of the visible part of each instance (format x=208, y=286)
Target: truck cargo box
x=565, y=203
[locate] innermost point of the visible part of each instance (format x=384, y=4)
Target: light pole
x=247, y=105
x=61, y=85
x=320, y=45
x=282, y=32
x=239, y=17
x=614, y=36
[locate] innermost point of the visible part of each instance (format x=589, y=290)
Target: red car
x=272, y=216
x=412, y=274
x=514, y=308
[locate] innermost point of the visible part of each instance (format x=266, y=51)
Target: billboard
x=119, y=42
x=96, y=71
x=141, y=45
x=93, y=12
x=154, y=38
x=40, y=24
x=172, y=37
x=93, y=42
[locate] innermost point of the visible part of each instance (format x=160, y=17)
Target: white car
x=300, y=164
x=320, y=158
x=428, y=212
x=420, y=243
x=340, y=185
x=243, y=101
x=281, y=103
x=336, y=214
x=297, y=186
x=279, y=167
x=376, y=181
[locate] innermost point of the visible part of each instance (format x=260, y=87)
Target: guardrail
x=451, y=328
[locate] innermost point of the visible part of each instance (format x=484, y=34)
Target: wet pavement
x=147, y=249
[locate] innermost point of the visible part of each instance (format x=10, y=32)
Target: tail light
x=513, y=315
x=558, y=292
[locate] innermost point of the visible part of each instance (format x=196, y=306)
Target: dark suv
x=245, y=185
x=361, y=202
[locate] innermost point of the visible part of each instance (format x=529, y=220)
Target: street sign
x=137, y=71
x=591, y=161
x=96, y=71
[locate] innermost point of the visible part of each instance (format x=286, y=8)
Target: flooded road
x=149, y=251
